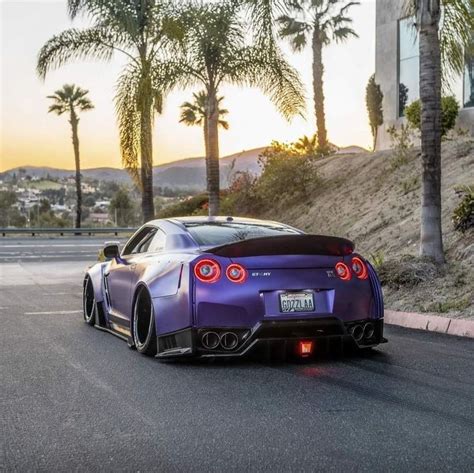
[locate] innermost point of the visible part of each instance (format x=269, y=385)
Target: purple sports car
x=211, y=287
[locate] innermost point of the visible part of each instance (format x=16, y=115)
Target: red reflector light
x=359, y=268
x=305, y=348
x=207, y=270
x=343, y=271
x=236, y=273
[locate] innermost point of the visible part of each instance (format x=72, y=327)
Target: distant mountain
x=187, y=173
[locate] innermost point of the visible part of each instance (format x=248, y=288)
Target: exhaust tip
x=357, y=331
x=210, y=340
x=369, y=330
x=229, y=340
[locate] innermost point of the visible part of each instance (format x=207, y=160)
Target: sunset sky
x=31, y=136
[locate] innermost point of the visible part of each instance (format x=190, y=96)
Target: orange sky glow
x=31, y=136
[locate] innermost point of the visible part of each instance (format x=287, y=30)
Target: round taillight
x=236, y=273
x=359, y=268
x=207, y=270
x=343, y=271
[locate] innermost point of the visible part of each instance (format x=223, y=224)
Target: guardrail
x=67, y=231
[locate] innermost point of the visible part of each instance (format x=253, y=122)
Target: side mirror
x=111, y=250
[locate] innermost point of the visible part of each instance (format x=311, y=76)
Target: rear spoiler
x=286, y=245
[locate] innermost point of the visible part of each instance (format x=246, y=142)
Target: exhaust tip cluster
x=362, y=331
x=226, y=340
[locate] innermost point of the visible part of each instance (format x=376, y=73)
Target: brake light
x=359, y=268
x=207, y=270
x=305, y=348
x=343, y=271
x=236, y=273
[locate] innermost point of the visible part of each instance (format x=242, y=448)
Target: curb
x=431, y=323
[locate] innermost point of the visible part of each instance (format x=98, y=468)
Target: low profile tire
x=144, y=333
x=89, y=303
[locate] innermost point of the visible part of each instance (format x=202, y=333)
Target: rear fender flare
x=96, y=274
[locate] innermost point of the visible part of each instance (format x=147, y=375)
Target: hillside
x=363, y=198
x=186, y=174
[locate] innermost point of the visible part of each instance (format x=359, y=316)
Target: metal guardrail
x=66, y=231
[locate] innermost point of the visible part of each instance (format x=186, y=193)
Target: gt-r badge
x=261, y=273
x=330, y=273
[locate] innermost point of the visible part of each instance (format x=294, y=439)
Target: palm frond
x=73, y=44
x=266, y=69
x=128, y=118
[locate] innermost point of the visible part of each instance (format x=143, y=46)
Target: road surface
x=75, y=398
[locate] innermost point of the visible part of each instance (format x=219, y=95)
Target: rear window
x=222, y=233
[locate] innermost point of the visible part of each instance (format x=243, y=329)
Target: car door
x=119, y=278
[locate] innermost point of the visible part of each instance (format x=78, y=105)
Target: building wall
x=388, y=12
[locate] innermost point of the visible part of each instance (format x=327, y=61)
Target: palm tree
x=216, y=51
x=307, y=145
x=318, y=22
x=72, y=99
x=442, y=52
x=194, y=113
x=139, y=30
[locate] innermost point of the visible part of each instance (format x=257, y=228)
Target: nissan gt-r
x=226, y=287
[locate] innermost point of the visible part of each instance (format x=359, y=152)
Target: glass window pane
x=469, y=82
x=409, y=83
x=408, y=64
x=408, y=38
x=214, y=234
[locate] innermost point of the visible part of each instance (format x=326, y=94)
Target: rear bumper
x=323, y=331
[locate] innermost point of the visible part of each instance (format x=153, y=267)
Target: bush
x=197, y=205
x=242, y=197
x=463, y=215
x=449, y=114
x=285, y=172
x=402, y=145
x=409, y=271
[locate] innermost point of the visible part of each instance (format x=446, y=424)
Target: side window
x=158, y=242
x=139, y=241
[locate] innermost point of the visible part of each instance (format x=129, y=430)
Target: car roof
x=221, y=219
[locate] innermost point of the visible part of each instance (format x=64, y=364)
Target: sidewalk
x=432, y=323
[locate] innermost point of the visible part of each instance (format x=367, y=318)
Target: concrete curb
x=432, y=323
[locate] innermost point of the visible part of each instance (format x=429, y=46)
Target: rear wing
x=286, y=245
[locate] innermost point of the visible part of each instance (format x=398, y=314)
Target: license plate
x=296, y=302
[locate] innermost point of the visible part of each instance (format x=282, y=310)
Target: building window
x=408, y=64
x=468, y=99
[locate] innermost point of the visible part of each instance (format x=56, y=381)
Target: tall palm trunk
x=213, y=178
x=74, y=121
x=431, y=244
x=318, y=92
x=206, y=147
x=146, y=150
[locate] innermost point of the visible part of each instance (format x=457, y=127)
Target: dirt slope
x=366, y=198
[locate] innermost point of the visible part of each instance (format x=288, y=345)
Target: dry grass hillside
x=374, y=201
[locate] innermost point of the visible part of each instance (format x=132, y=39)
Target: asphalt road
x=76, y=399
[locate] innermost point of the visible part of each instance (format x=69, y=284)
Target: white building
x=397, y=69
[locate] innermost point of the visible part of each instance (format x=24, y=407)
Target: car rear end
x=301, y=292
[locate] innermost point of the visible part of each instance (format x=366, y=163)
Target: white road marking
x=49, y=246
x=53, y=312
x=46, y=256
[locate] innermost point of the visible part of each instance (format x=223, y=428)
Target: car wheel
x=144, y=333
x=89, y=303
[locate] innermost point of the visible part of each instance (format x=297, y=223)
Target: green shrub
x=242, y=197
x=463, y=215
x=402, y=145
x=449, y=114
x=285, y=174
x=197, y=205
